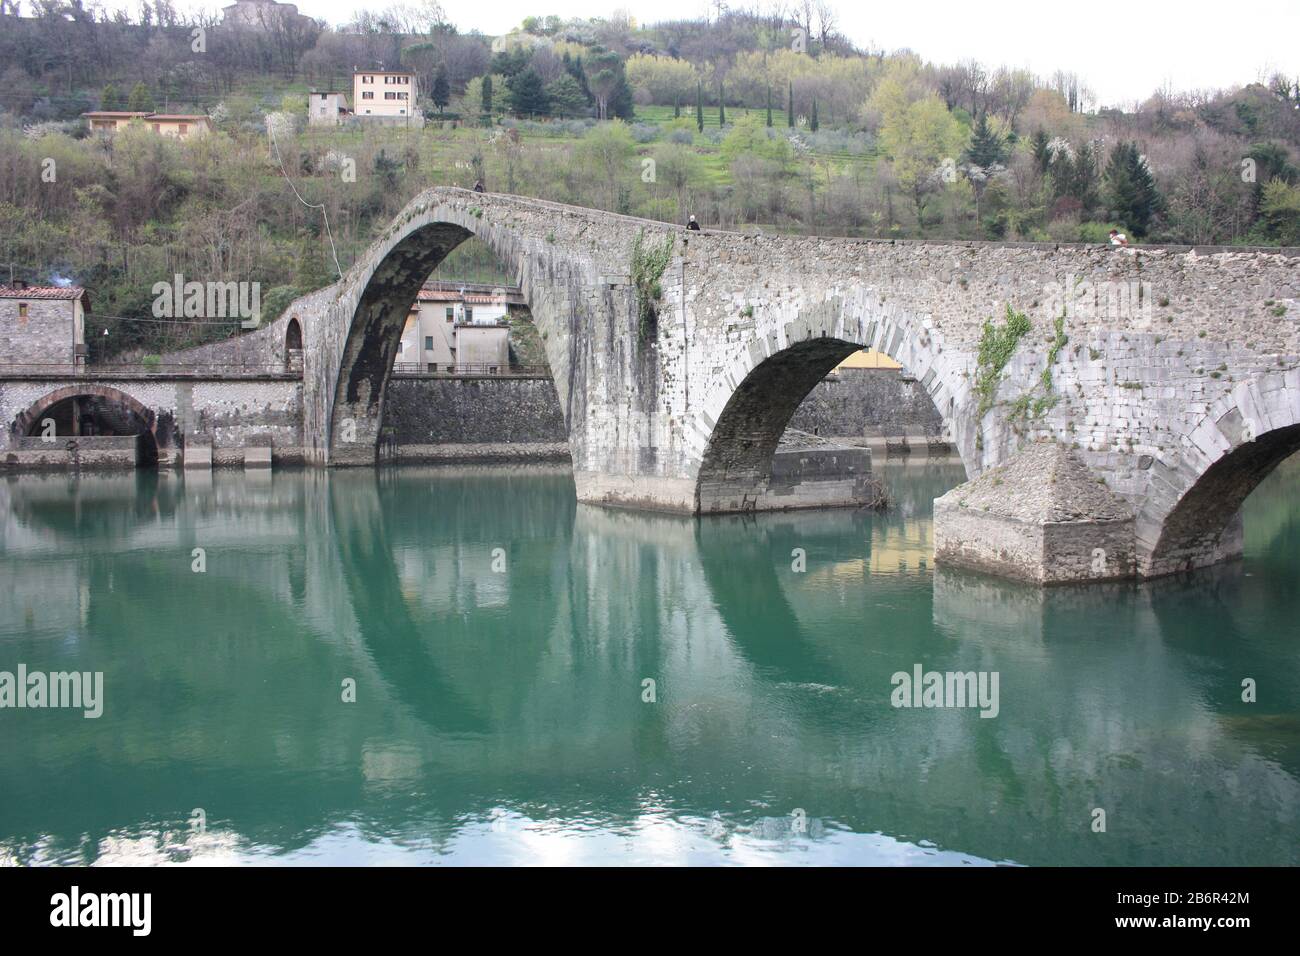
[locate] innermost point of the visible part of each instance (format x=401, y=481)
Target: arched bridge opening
x=87, y=421
x=1205, y=525
x=760, y=458
x=443, y=359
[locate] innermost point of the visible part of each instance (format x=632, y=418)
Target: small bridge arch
x=751, y=405
x=1193, y=518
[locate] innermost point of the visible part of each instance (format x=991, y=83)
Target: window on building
x=428, y=343
x=367, y=95
x=451, y=314
x=185, y=128
x=469, y=314
x=22, y=310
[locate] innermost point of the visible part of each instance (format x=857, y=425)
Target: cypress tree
x=487, y=96
x=722, y=107
x=812, y=122
x=699, y=106
x=441, y=94
x=769, y=106
x=789, y=106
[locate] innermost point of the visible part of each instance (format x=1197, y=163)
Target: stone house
x=43, y=328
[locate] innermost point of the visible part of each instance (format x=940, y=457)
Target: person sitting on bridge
x=692, y=224
x=1118, y=238
x=478, y=185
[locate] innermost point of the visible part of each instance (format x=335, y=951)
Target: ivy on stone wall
x=997, y=345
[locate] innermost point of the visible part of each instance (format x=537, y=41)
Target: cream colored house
x=457, y=330
x=386, y=96
x=327, y=108
x=177, y=125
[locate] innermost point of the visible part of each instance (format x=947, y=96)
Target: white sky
x=1124, y=50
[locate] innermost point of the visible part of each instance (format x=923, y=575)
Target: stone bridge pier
x=1168, y=378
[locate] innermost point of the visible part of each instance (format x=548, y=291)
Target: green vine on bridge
x=997, y=345
x=648, y=265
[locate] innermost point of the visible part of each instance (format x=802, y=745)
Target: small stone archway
x=293, y=345
x=28, y=421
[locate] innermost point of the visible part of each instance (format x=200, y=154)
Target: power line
x=270, y=129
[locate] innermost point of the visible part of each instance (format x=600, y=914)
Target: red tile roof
x=42, y=292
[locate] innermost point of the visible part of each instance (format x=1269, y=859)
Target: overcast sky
x=1124, y=50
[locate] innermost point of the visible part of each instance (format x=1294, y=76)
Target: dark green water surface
x=500, y=637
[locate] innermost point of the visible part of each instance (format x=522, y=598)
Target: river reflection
x=500, y=638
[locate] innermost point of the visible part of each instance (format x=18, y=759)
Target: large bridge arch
x=751, y=405
x=1192, y=517
x=370, y=307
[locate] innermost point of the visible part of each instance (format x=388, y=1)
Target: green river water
x=500, y=638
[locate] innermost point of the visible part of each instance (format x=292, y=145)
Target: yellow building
x=177, y=125
x=868, y=358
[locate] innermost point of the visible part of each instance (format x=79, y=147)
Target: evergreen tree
x=985, y=148
x=789, y=106
x=1038, y=148
x=110, y=99
x=699, y=106
x=565, y=96
x=1131, y=190
x=769, y=106
x=527, y=93
x=487, y=97
x=1084, y=182
x=677, y=106
x=722, y=106
x=441, y=93
x=812, y=120
x=140, y=100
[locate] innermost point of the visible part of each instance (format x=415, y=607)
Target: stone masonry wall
x=43, y=338
x=440, y=411
x=868, y=401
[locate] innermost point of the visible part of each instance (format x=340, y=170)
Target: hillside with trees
x=767, y=119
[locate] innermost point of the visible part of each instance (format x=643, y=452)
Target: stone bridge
x=1169, y=375
x=1172, y=374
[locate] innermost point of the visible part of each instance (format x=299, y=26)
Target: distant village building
x=458, y=327
x=262, y=15
x=327, y=108
x=43, y=326
x=386, y=96
x=177, y=125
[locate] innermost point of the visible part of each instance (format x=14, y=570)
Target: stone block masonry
x=868, y=402
x=1040, y=517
